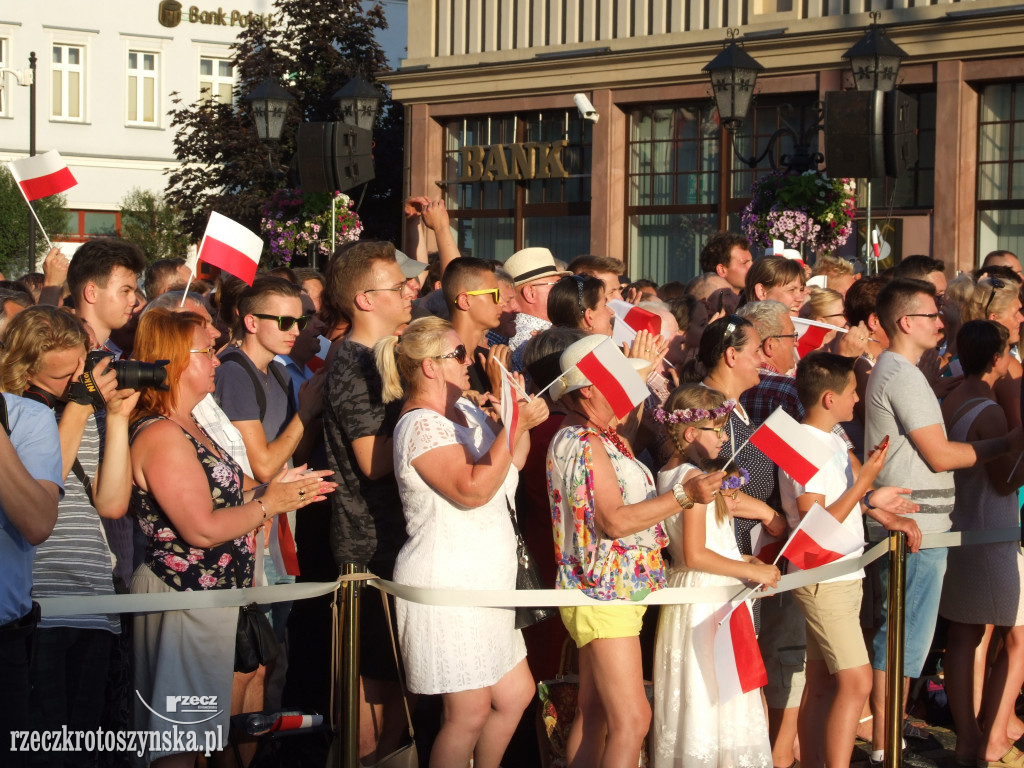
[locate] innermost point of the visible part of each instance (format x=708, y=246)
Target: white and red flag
x=232, y=247
x=630, y=319
x=320, y=358
x=811, y=334
x=614, y=376
x=739, y=667
x=763, y=545
x=42, y=175
x=791, y=447
x=509, y=406
x=820, y=539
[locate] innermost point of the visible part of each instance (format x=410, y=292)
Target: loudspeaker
x=854, y=134
x=900, y=132
x=314, y=140
x=334, y=157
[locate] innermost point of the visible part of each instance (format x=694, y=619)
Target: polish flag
x=629, y=319
x=820, y=539
x=614, y=376
x=509, y=407
x=293, y=721
x=739, y=668
x=795, y=450
x=320, y=358
x=232, y=247
x=42, y=175
x=811, y=334
x=763, y=545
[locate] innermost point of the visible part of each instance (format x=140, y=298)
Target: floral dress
x=588, y=560
x=174, y=561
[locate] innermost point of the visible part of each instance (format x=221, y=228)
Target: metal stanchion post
x=349, y=727
x=894, y=650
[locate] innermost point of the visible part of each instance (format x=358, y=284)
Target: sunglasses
x=284, y=322
x=495, y=293
x=458, y=354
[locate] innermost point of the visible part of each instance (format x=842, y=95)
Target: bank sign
x=171, y=13
x=513, y=162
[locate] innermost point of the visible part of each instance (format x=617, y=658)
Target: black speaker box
x=900, y=133
x=315, y=144
x=334, y=157
x=854, y=134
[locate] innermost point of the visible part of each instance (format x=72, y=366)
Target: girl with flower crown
x=691, y=727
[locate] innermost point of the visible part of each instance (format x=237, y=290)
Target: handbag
x=255, y=641
x=403, y=757
x=527, y=577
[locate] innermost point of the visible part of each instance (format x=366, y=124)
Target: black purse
x=255, y=641
x=527, y=577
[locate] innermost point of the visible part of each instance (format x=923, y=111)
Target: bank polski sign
x=171, y=13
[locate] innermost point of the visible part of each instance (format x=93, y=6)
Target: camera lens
x=132, y=374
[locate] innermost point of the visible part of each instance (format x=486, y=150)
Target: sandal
x=1014, y=758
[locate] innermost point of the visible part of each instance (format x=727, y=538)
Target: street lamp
x=875, y=59
x=733, y=74
x=359, y=102
x=269, y=107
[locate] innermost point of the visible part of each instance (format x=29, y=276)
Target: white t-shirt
x=831, y=482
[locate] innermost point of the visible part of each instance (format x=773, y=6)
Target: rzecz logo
x=193, y=709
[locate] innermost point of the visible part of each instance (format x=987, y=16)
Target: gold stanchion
x=348, y=728
x=894, y=650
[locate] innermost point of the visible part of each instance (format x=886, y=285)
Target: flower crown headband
x=693, y=415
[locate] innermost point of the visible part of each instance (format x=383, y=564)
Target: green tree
x=313, y=47
x=14, y=219
x=154, y=226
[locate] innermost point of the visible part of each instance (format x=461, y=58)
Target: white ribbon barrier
x=486, y=598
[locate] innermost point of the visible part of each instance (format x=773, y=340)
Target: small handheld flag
x=230, y=246
x=739, y=667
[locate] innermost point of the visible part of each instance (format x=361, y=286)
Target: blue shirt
x=34, y=437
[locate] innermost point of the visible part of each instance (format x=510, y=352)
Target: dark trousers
x=15, y=657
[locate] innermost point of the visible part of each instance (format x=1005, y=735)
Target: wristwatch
x=682, y=499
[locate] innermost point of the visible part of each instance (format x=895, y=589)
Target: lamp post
x=27, y=77
x=875, y=59
x=269, y=103
x=358, y=102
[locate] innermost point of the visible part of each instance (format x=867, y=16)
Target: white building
x=104, y=79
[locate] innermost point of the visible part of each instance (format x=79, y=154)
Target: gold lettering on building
x=513, y=162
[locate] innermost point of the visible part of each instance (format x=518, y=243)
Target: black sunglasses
x=284, y=322
x=458, y=354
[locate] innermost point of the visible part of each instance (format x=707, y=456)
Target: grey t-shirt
x=899, y=401
x=234, y=392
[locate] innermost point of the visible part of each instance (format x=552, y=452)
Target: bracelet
x=682, y=498
x=867, y=499
x=260, y=502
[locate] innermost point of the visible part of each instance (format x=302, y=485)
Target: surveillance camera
x=587, y=111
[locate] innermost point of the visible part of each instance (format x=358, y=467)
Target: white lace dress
x=691, y=729
x=447, y=649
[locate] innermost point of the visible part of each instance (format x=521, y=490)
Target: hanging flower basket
x=293, y=221
x=808, y=209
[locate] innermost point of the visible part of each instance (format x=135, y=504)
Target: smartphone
x=882, y=445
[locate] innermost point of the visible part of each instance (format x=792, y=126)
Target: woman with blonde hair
x=198, y=513
x=457, y=478
x=825, y=306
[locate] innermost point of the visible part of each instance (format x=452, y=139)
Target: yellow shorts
x=602, y=622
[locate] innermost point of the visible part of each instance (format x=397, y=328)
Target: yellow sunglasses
x=495, y=293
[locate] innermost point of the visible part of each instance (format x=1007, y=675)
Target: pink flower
x=224, y=560
x=165, y=534
x=176, y=563
x=206, y=581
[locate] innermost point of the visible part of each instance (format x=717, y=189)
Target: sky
x=395, y=38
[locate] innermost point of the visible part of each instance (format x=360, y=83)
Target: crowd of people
x=162, y=439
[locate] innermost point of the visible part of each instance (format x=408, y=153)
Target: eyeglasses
x=929, y=315
x=794, y=336
x=458, y=354
x=996, y=285
x=538, y=285
x=398, y=288
x=717, y=430
x=210, y=352
x=495, y=293
x=284, y=322
x=837, y=314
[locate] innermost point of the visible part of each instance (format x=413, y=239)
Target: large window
x=216, y=79
x=67, y=92
x=81, y=226
x=1001, y=168
x=495, y=217
x=673, y=189
x=143, y=81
